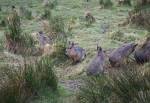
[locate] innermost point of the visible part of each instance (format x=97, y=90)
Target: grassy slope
x=87, y=37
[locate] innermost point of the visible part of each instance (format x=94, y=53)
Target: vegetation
x=125, y=2
x=119, y=36
x=47, y=13
x=19, y=84
x=15, y=38
x=14, y=26
x=25, y=13
x=50, y=77
x=130, y=85
x=105, y=3
x=57, y=24
x=95, y=90
x=140, y=14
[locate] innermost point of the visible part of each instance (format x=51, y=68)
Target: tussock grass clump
x=45, y=69
x=14, y=26
x=129, y=84
x=13, y=88
x=105, y=3
x=60, y=49
x=132, y=85
x=95, y=90
x=16, y=40
x=140, y=14
x=19, y=84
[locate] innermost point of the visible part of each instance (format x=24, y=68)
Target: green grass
x=86, y=37
x=48, y=96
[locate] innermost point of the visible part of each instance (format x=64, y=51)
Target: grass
x=86, y=37
x=48, y=96
x=129, y=84
x=20, y=84
x=95, y=90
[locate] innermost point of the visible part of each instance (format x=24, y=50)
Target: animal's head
x=99, y=50
x=142, y=54
x=69, y=47
x=129, y=47
x=146, y=43
x=133, y=46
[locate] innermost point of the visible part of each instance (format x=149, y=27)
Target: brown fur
x=76, y=53
x=142, y=54
x=89, y=16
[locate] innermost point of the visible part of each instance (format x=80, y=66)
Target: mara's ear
x=99, y=48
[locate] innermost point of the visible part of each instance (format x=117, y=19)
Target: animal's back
x=95, y=67
x=80, y=52
x=121, y=52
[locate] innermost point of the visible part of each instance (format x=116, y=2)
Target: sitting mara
x=97, y=65
x=76, y=53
